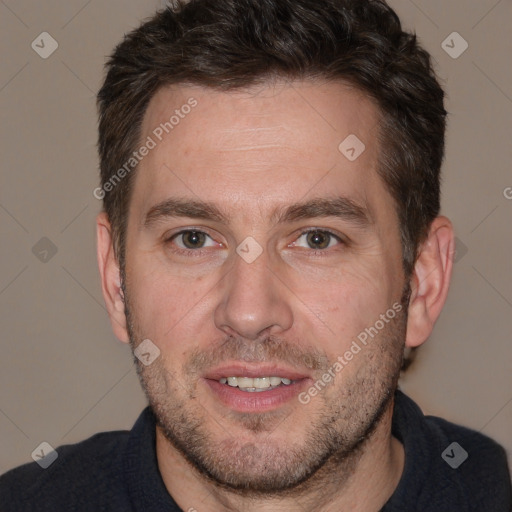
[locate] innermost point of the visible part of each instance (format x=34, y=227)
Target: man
x=270, y=244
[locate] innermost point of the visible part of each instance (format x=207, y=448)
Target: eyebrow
x=340, y=207
x=175, y=207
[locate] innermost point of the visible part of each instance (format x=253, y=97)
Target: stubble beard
x=331, y=444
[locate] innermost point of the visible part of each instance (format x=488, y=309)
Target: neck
x=361, y=482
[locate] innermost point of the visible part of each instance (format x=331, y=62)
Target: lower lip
x=256, y=401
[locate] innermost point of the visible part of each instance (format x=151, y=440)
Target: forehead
x=256, y=149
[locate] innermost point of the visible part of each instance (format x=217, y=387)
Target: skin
x=250, y=152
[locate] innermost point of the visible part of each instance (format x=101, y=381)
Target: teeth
x=255, y=384
x=245, y=382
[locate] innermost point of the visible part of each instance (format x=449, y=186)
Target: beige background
x=64, y=376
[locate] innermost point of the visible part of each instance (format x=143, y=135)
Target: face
x=257, y=249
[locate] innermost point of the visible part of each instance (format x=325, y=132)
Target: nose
x=254, y=302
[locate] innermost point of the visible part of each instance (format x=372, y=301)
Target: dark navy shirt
x=448, y=468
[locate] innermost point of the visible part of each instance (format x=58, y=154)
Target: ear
x=430, y=281
x=110, y=277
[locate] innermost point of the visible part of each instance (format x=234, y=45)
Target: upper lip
x=245, y=369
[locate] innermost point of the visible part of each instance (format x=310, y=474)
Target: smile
x=255, y=384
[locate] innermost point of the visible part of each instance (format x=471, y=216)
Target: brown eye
x=192, y=239
x=318, y=239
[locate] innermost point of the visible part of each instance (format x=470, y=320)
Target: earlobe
x=430, y=281
x=110, y=277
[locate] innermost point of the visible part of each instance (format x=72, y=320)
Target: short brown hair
x=233, y=44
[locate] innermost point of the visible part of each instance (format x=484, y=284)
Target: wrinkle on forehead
x=277, y=146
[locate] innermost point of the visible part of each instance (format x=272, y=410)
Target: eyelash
x=187, y=252
x=320, y=253
x=199, y=252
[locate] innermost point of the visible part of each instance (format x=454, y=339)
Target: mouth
x=254, y=388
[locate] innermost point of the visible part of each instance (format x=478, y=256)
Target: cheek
x=344, y=304
x=163, y=302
